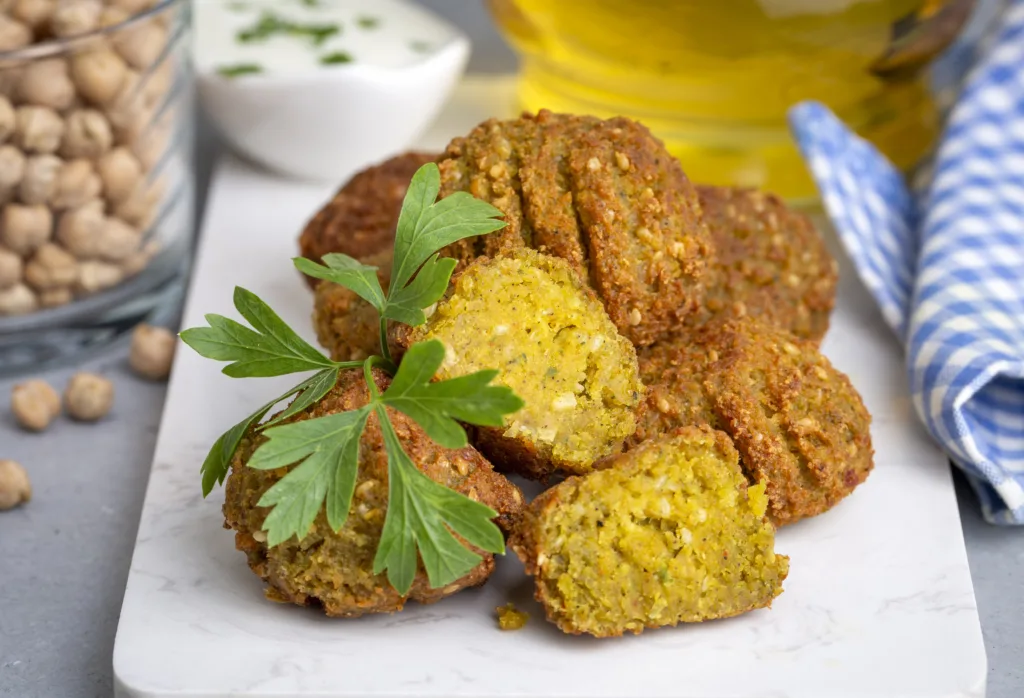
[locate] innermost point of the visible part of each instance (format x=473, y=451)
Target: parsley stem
x=384, y=348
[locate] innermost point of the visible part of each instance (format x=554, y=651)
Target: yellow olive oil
x=715, y=78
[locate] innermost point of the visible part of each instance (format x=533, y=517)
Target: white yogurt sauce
x=382, y=33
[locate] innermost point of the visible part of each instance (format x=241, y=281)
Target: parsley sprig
x=423, y=516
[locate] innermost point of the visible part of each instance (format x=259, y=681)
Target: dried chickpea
x=77, y=183
x=73, y=17
x=24, y=229
x=33, y=13
x=140, y=46
x=34, y=404
x=10, y=268
x=78, y=229
x=94, y=277
x=152, y=352
x=15, y=487
x=13, y=34
x=88, y=397
x=112, y=15
x=120, y=172
x=46, y=84
x=8, y=121
x=87, y=134
x=140, y=259
x=117, y=240
x=38, y=129
x=40, y=179
x=12, y=167
x=139, y=207
x=51, y=267
x=132, y=6
x=98, y=74
x=17, y=300
x=54, y=297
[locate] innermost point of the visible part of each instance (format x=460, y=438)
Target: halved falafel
x=669, y=532
x=603, y=195
x=799, y=424
x=770, y=262
x=360, y=219
x=335, y=570
x=532, y=318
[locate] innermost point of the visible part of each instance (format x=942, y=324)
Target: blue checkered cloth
x=946, y=266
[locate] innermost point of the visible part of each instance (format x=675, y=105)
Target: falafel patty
x=799, y=424
x=346, y=325
x=603, y=195
x=670, y=532
x=360, y=219
x=335, y=570
x=530, y=316
x=769, y=262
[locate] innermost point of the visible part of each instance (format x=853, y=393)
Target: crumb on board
x=510, y=618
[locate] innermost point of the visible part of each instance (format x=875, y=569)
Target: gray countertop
x=64, y=558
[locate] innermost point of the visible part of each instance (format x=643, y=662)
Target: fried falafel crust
x=798, y=423
x=360, y=219
x=769, y=262
x=346, y=325
x=667, y=533
x=530, y=316
x=603, y=195
x=334, y=570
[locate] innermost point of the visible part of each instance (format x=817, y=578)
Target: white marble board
x=878, y=604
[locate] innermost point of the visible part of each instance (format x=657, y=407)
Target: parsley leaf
x=272, y=348
x=426, y=226
x=422, y=514
x=240, y=69
x=407, y=304
x=436, y=406
x=345, y=271
x=329, y=450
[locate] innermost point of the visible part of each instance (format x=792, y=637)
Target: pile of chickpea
x=83, y=130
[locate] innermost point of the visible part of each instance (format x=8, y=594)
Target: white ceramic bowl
x=326, y=123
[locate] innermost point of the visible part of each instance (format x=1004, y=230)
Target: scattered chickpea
x=88, y=397
x=39, y=129
x=78, y=229
x=25, y=229
x=98, y=75
x=34, y=404
x=94, y=277
x=87, y=134
x=46, y=84
x=15, y=487
x=13, y=34
x=120, y=172
x=12, y=168
x=152, y=352
x=75, y=17
x=17, y=300
x=77, y=183
x=40, y=179
x=51, y=267
x=8, y=121
x=10, y=268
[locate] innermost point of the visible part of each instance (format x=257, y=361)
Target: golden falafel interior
x=668, y=533
x=530, y=316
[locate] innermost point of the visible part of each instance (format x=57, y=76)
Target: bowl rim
x=65, y=44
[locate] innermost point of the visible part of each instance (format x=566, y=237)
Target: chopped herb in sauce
x=336, y=58
x=238, y=6
x=269, y=25
x=419, y=46
x=368, y=22
x=234, y=71
x=310, y=3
